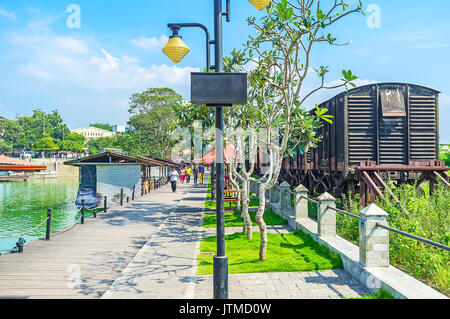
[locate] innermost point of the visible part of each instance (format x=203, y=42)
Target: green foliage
x=290, y=252
x=10, y=135
x=47, y=144
x=41, y=125
x=102, y=126
x=381, y=294
x=428, y=217
x=152, y=121
x=444, y=155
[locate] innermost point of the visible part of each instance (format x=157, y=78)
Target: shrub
x=427, y=216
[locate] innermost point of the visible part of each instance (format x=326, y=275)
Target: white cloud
x=150, y=43
x=7, y=14
x=432, y=45
x=34, y=71
x=74, y=63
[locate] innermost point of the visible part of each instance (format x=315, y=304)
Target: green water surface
x=23, y=205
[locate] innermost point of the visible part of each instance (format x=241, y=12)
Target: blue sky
x=89, y=73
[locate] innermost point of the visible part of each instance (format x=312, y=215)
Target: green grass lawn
x=209, y=204
x=285, y=253
x=234, y=219
x=381, y=294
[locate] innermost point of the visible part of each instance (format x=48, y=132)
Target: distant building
x=92, y=133
x=119, y=129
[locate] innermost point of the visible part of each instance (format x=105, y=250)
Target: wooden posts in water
x=132, y=194
x=95, y=212
x=82, y=211
x=49, y=222
x=121, y=197
x=105, y=205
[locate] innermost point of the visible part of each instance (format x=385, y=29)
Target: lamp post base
x=220, y=266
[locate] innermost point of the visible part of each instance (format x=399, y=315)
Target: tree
x=153, y=120
x=10, y=135
x=281, y=57
x=40, y=125
x=47, y=144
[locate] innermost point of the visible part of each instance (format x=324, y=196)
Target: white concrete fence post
x=326, y=218
x=300, y=202
x=373, y=241
x=275, y=194
x=285, y=196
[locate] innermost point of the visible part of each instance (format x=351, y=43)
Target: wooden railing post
x=49, y=223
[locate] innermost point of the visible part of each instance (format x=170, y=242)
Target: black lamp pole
x=220, y=260
x=175, y=27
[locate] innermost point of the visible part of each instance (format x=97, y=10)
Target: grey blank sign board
x=220, y=89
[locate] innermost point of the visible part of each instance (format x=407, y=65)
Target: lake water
x=23, y=205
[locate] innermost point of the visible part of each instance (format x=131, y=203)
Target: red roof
x=211, y=156
x=5, y=160
x=13, y=164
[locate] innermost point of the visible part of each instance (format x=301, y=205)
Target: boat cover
x=89, y=195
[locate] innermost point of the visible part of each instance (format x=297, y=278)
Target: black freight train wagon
x=393, y=128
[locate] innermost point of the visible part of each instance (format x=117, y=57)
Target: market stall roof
x=17, y=165
x=115, y=158
x=229, y=151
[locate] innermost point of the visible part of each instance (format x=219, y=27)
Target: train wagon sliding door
x=393, y=129
x=423, y=117
x=362, y=125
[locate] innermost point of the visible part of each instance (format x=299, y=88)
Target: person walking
x=182, y=175
x=195, y=174
x=173, y=179
x=201, y=171
x=188, y=174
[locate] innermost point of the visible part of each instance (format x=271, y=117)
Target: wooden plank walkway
x=85, y=261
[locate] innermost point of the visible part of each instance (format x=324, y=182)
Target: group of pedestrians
x=185, y=173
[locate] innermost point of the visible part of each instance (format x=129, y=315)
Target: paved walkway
x=332, y=284
x=149, y=249
x=85, y=261
x=165, y=266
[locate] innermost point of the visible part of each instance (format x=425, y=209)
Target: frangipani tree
x=280, y=56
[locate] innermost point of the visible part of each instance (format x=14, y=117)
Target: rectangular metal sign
x=218, y=89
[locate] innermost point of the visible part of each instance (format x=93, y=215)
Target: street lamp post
x=176, y=50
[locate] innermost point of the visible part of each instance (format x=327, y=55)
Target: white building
x=91, y=133
x=119, y=129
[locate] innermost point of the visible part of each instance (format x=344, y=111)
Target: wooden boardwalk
x=86, y=260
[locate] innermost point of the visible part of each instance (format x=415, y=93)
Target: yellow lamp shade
x=260, y=4
x=176, y=49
